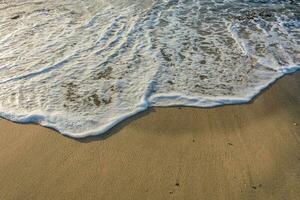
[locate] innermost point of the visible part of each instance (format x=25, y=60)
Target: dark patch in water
x=170, y=82
x=165, y=55
x=16, y=17
x=71, y=95
x=253, y=14
x=95, y=99
x=202, y=62
x=202, y=77
x=105, y=74
x=181, y=56
x=163, y=23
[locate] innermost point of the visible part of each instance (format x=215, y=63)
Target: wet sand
x=249, y=151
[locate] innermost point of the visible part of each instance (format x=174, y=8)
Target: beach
x=151, y=99
x=249, y=151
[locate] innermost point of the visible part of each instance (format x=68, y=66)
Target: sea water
x=82, y=66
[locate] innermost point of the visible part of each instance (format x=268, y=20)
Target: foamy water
x=83, y=66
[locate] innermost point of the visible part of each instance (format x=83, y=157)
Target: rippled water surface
x=83, y=66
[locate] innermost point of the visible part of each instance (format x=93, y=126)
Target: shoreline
x=246, y=151
x=207, y=104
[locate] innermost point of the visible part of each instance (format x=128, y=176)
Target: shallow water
x=83, y=66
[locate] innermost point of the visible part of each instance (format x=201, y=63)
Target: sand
x=249, y=151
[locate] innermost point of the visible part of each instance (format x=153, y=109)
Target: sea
x=83, y=66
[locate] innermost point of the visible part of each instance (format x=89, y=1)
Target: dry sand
x=237, y=152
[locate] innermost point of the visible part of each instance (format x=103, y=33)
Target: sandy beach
x=249, y=151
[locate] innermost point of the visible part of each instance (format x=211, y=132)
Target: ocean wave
x=81, y=67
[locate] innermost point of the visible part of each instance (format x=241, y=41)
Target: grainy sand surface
x=249, y=151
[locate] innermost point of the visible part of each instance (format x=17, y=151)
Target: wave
x=81, y=67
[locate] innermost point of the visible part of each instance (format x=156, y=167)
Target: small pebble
x=295, y=124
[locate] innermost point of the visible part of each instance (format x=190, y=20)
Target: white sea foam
x=81, y=67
